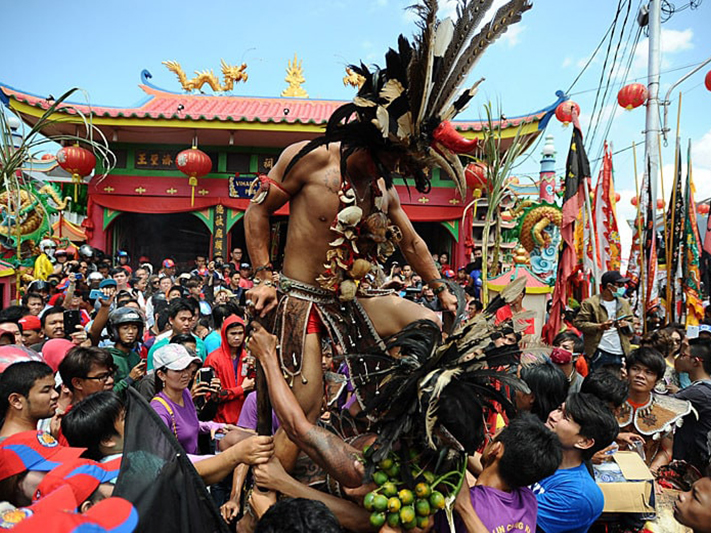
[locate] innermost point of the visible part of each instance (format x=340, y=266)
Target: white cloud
x=567, y=62
x=701, y=152
x=673, y=42
x=512, y=36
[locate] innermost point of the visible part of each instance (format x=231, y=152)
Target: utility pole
x=652, y=127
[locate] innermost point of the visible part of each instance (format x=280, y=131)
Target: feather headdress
x=406, y=107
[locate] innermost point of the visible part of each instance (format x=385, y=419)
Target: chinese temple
x=146, y=206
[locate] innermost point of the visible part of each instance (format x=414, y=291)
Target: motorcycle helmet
x=124, y=315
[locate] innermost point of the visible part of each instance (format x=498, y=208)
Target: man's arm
x=416, y=253
x=257, y=229
x=339, y=459
x=271, y=475
x=584, y=320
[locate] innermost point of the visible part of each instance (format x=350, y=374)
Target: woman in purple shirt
x=173, y=402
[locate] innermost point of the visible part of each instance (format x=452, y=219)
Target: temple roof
x=167, y=110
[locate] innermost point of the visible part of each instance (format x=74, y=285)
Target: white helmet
x=47, y=246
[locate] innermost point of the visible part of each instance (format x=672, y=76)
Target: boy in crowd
x=523, y=453
x=27, y=395
x=86, y=371
x=569, y=501
x=691, y=439
x=97, y=424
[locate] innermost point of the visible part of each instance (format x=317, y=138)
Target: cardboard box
x=633, y=495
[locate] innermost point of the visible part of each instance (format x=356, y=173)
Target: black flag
x=158, y=478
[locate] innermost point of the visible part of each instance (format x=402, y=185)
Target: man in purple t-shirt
x=523, y=453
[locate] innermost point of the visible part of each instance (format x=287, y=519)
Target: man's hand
x=229, y=510
x=264, y=299
x=255, y=450
x=629, y=438
x=138, y=371
x=270, y=475
x=80, y=336
x=261, y=343
x=448, y=301
x=110, y=293
x=606, y=325
x=248, y=384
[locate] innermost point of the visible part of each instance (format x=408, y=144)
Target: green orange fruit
x=423, y=490
x=377, y=519
x=394, y=504
x=380, y=477
x=389, y=489
x=407, y=514
x=368, y=501
x=423, y=507
x=423, y=521
x=437, y=500
x=380, y=503
x=393, y=519
x=386, y=463
x=406, y=496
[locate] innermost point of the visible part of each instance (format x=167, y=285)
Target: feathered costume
x=428, y=401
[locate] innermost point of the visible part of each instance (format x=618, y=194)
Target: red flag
x=605, y=217
x=577, y=169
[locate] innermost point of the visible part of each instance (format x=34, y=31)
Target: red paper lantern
x=634, y=201
x=475, y=175
x=632, y=96
x=194, y=163
x=564, y=111
x=617, y=197
x=707, y=80
x=78, y=161
x=703, y=209
x=660, y=203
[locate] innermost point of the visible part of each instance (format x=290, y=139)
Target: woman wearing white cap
x=175, y=369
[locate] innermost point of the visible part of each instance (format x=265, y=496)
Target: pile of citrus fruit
x=399, y=505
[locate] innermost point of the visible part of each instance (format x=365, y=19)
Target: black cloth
x=158, y=478
x=691, y=439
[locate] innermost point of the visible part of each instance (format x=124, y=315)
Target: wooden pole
x=642, y=289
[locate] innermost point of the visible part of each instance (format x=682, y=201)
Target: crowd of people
x=76, y=342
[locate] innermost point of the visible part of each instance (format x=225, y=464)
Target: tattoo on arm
x=333, y=455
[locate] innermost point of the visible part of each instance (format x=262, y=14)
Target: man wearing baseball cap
x=168, y=268
x=31, y=330
x=25, y=458
x=605, y=320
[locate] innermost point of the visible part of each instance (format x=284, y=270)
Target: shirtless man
x=312, y=190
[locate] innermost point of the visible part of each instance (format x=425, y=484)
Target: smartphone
x=97, y=294
x=205, y=375
x=78, y=275
x=625, y=317
x=72, y=319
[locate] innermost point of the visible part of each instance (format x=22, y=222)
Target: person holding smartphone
x=232, y=367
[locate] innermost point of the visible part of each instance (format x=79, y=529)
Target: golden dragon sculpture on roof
x=232, y=74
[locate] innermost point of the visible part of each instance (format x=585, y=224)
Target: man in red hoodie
x=228, y=361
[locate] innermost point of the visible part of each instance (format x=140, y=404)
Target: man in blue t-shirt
x=569, y=501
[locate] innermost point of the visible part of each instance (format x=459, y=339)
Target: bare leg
x=309, y=395
x=390, y=314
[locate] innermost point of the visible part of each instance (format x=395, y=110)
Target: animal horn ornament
x=447, y=135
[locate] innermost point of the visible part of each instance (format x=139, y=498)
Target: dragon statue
x=539, y=233
x=37, y=203
x=353, y=79
x=232, y=74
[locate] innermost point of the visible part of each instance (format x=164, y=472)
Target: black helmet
x=124, y=315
